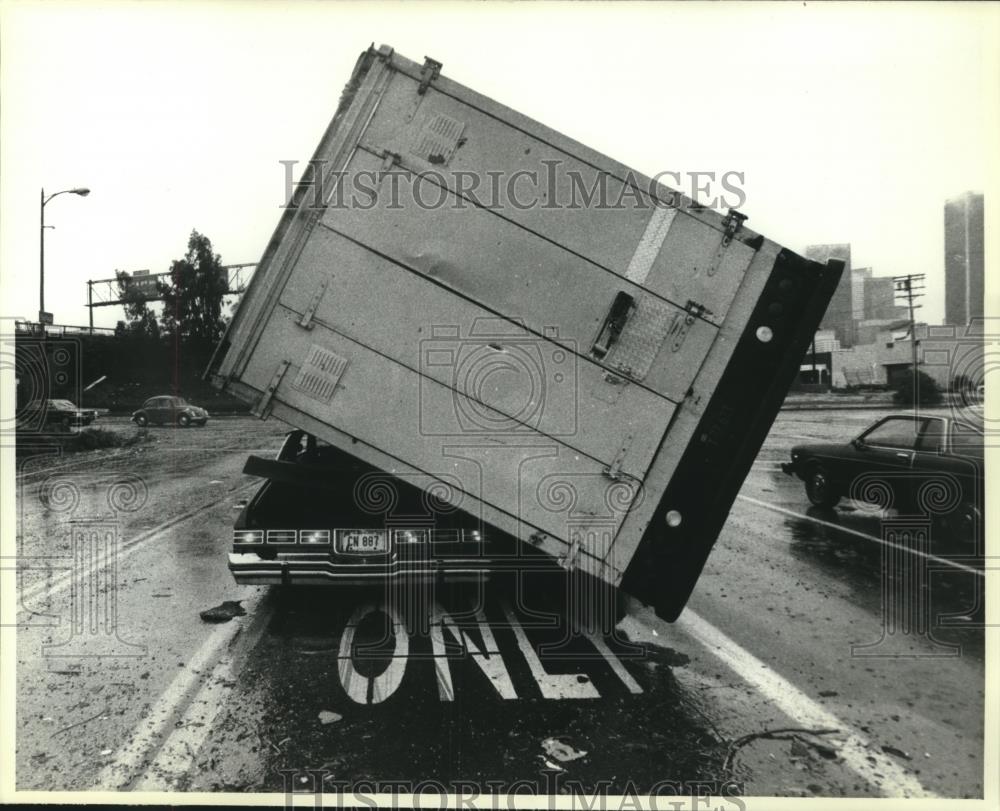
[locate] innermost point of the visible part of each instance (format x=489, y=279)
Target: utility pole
x=911, y=286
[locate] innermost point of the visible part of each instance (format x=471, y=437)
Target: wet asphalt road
x=792, y=626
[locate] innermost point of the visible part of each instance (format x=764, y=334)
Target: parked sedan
x=927, y=466
x=322, y=517
x=169, y=411
x=63, y=413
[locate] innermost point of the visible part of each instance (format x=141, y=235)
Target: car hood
x=820, y=449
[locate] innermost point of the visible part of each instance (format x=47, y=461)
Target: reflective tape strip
x=649, y=246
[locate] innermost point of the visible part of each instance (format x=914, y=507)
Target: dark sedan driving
x=920, y=464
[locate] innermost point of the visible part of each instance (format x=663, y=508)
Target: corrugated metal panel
x=563, y=363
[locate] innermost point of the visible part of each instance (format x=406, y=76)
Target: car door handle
x=903, y=455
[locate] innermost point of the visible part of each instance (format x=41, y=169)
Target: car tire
x=141, y=421
x=819, y=488
x=66, y=423
x=183, y=420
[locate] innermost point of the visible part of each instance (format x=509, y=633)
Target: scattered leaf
x=561, y=751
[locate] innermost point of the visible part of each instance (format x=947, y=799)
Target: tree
x=928, y=392
x=192, y=308
x=140, y=320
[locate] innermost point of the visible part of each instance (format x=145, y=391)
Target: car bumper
x=249, y=568
x=789, y=468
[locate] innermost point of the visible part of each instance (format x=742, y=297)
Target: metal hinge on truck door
x=263, y=406
x=613, y=471
x=389, y=159
x=568, y=561
x=428, y=73
x=732, y=223
x=307, y=316
x=682, y=323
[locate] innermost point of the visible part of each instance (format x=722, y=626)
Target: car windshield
x=62, y=404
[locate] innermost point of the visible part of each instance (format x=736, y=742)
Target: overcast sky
x=851, y=123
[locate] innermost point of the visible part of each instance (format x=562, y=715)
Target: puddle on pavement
x=954, y=598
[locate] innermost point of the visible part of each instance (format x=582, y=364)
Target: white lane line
x=24, y=473
x=117, y=774
x=943, y=561
x=858, y=754
x=63, y=581
x=177, y=755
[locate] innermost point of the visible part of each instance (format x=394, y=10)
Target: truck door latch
x=696, y=309
x=621, y=308
x=428, y=73
x=733, y=222
x=263, y=405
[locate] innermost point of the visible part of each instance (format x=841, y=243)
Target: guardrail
x=58, y=330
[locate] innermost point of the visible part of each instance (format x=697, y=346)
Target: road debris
x=103, y=712
x=561, y=751
x=327, y=717
x=892, y=750
x=783, y=734
x=223, y=612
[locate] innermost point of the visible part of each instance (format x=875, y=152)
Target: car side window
x=932, y=436
x=896, y=432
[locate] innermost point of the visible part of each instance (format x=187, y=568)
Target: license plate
x=364, y=541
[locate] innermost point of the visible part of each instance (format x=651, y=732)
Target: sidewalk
x=805, y=401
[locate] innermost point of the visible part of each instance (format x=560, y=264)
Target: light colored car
x=169, y=410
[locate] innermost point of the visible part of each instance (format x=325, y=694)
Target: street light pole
x=41, y=259
x=43, y=200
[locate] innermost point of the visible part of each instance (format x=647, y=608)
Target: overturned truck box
x=573, y=352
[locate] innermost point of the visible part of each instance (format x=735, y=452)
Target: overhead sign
x=45, y=318
x=145, y=282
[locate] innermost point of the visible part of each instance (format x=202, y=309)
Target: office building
x=839, y=315
x=963, y=259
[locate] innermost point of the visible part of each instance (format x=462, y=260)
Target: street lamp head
x=81, y=192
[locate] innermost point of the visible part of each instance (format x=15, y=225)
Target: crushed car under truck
x=592, y=379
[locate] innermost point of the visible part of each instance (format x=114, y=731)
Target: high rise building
x=880, y=300
x=859, y=277
x=839, y=314
x=963, y=259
